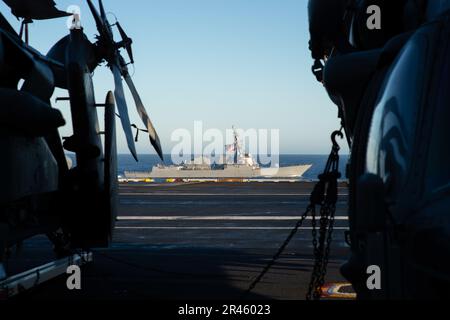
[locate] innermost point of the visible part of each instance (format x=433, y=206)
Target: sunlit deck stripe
x=219, y=228
x=216, y=218
x=218, y=194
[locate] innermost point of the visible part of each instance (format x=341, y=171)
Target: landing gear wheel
x=353, y=270
x=61, y=243
x=93, y=215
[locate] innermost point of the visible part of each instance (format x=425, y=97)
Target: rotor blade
x=154, y=139
x=123, y=109
x=97, y=17
x=127, y=42
x=106, y=24
x=102, y=10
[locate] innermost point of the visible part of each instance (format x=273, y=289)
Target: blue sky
x=224, y=62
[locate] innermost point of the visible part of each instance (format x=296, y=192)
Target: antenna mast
x=236, y=146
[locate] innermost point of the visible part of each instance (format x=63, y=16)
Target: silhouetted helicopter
x=39, y=193
x=391, y=88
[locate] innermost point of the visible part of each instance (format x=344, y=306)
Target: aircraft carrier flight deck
x=198, y=241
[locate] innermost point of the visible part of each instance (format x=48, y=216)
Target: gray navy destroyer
x=243, y=166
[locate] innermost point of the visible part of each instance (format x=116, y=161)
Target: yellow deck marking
x=333, y=291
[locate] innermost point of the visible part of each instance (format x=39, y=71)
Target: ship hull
x=229, y=172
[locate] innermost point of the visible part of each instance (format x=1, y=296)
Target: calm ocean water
x=146, y=163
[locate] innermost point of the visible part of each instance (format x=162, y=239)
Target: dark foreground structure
x=197, y=241
x=40, y=193
x=386, y=65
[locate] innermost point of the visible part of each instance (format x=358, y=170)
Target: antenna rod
x=24, y=30
x=236, y=146
x=27, y=35
x=21, y=30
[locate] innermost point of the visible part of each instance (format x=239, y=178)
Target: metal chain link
x=322, y=258
x=279, y=252
x=327, y=212
x=328, y=246
x=314, y=232
x=325, y=196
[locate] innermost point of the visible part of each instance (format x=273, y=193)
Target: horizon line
x=285, y=154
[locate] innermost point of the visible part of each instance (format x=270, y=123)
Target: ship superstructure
x=242, y=166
